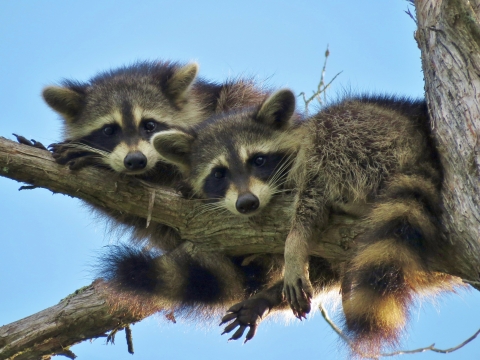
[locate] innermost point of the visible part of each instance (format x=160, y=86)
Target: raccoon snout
x=247, y=203
x=135, y=161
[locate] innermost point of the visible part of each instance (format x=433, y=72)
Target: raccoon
x=109, y=120
x=240, y=160
x=370, y=157
x=197, y=284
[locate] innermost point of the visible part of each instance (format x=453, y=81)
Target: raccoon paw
x=248, y=313
x=83, y=161
x=23, y=140
x=298, y=292
x=65, y=153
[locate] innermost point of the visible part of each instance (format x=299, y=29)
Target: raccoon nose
x=135, y=161
x=247, y=203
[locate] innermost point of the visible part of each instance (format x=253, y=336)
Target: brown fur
x=164, y=91
x=372, y=153
x=371, y=158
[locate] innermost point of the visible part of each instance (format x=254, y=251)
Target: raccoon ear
x=179, y=83
x=174, y=146
x=278, y=109
x=63, y=100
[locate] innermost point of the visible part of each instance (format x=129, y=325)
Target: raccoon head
x=239, y=159
x=115, y=114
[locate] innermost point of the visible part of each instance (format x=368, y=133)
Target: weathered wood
x=449, y=38
x=86, y=314
x=232, y=235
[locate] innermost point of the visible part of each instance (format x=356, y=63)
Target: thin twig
x=321, y=88
x=400, y=352
x=434, y=349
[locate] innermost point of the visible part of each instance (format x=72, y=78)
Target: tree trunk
x=449, y=38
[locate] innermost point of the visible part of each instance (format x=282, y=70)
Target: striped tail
x=197, y=285
x=391, y=265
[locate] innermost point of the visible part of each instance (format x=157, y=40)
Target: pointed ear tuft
x=63, y=100
x=178, y=85
x=277, y=110
x=175, y=147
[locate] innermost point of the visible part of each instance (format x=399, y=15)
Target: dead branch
x=87, y=314
x=400, y=352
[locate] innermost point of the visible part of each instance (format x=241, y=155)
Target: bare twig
x=433, y=348
x=400, y=352
x=321, y=88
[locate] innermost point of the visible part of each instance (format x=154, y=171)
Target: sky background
x=48, y=242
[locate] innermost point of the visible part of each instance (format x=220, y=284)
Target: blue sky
x=49, y=241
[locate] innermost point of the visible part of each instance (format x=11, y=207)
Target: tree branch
x=232, y=235
x=87, y=314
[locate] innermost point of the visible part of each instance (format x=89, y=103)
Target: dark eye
x=259, y=161
x=150, y=126
x=219, y=173
x=108, y=130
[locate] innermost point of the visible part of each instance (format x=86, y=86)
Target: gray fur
x=369, y=157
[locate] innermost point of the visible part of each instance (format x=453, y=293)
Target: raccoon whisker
x=212, y=207
x=279, y=178
x=280, y=191
x=82, y=146
x=279, y=172
x=209, y=207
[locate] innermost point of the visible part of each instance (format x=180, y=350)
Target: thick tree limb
x=232, y=235
x=449, y=37
x=86, y=314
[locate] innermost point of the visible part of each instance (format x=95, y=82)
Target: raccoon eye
x=108, y=130
x=219, y=173
x=259, y=161
x=150, y=126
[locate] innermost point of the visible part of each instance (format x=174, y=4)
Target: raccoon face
x=115, y=115
x=245, y=185
x=240, y=159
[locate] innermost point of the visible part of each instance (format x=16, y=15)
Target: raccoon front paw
x=23, y=140
x=65, y=153
x=248, y=313
x=298, y=292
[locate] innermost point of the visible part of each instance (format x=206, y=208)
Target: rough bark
x=86, y=314
x=233, y=235
x=449, y=38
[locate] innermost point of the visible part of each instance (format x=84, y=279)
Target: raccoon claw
x=81, y=162
x=23, y=140
x=248, y=313
x=64, y=154
x=299, y=296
